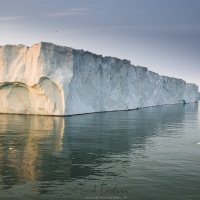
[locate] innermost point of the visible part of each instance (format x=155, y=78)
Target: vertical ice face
x=47, y=79
x=34, y=80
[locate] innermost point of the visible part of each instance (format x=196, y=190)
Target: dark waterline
x=150, y=153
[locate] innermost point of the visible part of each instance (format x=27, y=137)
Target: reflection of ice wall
x=25, y=151
x=53, y=80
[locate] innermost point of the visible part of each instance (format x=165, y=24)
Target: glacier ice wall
x=47, y=79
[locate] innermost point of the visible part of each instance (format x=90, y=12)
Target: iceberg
x=47, y=79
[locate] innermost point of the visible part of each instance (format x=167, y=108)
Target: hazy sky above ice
x=163, y=35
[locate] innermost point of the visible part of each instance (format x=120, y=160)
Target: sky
x=162, y=35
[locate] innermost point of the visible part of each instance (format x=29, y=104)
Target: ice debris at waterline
x=48, y=79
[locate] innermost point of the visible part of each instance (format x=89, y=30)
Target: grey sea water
x=150, y=153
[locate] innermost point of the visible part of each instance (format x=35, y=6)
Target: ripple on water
x=150, y=153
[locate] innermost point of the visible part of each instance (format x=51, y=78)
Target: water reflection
x=44, y=154
x=24, y=142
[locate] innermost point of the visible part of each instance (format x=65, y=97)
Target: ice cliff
x=47, y=79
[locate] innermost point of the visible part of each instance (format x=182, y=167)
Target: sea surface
x=146, y=154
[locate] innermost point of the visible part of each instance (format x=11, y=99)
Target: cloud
x=183, y=28
x=70, y=12
x=10, y=18
x=171, y=27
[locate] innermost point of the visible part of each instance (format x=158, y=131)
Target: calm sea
x=146, y=154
